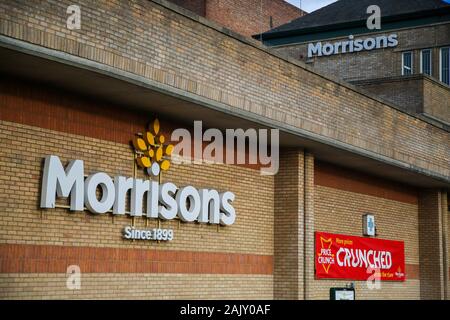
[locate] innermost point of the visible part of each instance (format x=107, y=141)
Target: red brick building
x=246, y=17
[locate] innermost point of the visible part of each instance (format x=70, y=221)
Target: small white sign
x=157, y=234
x=369, y=225
x=345, y=295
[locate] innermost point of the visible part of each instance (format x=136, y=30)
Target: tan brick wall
x=230, y=71
x=310, y=225
x=333, y=210
x=289, y=226
x=24, y=223
x=404, y=92
x=445, y=243
x=340, y=211
x=20, y=175
x=448, y=244
x=437, y=100
x=416, y=94
x=430, y=237
x=136, y=286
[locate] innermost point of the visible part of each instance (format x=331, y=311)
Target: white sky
x=310, y=5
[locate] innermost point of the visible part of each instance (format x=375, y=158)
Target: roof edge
x=343, y=25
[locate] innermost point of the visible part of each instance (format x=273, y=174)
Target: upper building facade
x=405, y=62
x=414, y=39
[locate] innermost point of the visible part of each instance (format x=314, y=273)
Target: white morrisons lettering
x=164, y=201
x=352, y=45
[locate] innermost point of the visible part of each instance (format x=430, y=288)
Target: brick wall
x=404, y=92
x=437, y=100
x=232, y=71
x=36, y=246
x=246, y=17
x=289, y=226
x=249, y=17
x=261, y=256
x=250, y=260
x=342, y=197
x=417, y=94
x=135, y=286
x=196, y=6
x=445, y=243
x=430, y=235
x=334, y=200
x=309, y=226
x=448, y=244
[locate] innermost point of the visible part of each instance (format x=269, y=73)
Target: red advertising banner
x=357, y=258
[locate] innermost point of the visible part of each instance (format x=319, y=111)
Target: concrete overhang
x=91, y=79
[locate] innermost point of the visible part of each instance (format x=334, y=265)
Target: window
x=425, y=62
x=407, y=63
x=444, y=67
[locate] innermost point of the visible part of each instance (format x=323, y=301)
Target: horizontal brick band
x=331, y=176
x=30, y=104
x=18, y=258
x=22, y=258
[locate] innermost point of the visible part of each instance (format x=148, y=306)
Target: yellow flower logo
x=151, y=152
